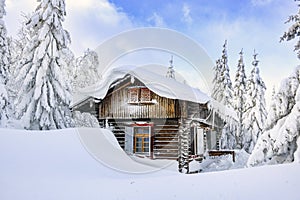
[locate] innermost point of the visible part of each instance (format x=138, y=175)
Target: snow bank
x=225, y=162
x=52, y=165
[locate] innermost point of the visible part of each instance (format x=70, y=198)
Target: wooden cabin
x=149, y=122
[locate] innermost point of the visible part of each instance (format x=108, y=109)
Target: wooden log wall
x=166, y=140
x=116, y=105
x=164, y=136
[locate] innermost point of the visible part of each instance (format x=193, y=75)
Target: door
x=200, y=141
x=197, y=142
x=211, y=140
x=128, y=140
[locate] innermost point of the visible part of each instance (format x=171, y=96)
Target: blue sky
x=247, y=24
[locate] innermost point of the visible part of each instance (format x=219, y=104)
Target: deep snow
x=57, y=165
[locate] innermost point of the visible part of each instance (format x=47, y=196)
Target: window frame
x=143, y=136
x=139, y=95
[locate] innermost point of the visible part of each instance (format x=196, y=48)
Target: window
x=139, y=95
x=145, y=95
x=133, y=95
x=142, y=140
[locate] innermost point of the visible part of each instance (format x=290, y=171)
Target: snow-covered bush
x=85, y=120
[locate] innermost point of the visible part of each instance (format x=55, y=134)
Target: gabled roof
x=161, y=85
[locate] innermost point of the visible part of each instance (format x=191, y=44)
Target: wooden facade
x=147, y=124
x=118, y=105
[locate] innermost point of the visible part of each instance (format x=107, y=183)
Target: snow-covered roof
x=159, y=84
x=162, y=86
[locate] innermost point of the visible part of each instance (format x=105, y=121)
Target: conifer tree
x=294, y=31
x=239, y=98
x=222, y=85
x=86, y=70
x=4, y=47
x=44, y=97
x=278, y=142
x=4, y=66
x=255, y=113
x=222, y=92
x=272, y=112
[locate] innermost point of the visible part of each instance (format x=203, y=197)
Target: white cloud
x=80, y=4
x=89, y=22
x=104, y=11
x=157, y=20
x=186, y=14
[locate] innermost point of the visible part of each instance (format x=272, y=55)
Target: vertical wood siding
x=116, y=105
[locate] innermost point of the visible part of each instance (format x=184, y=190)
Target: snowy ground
x=57, y=165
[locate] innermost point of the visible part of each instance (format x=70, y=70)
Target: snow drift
x=55, y=165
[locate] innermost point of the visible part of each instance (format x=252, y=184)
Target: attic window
x=139, y=95
x=133, y=95
x=145, y=95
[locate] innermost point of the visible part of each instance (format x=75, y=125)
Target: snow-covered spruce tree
x=272, y=112
x=68, y=60
x=4, y=47
x=284, y=100
x=255, y=113
x=4, y=67
x=222, y=85
x=43, y=99
x=86, y=70
x=16, y=46
x=239, y=98
x=222, y=92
